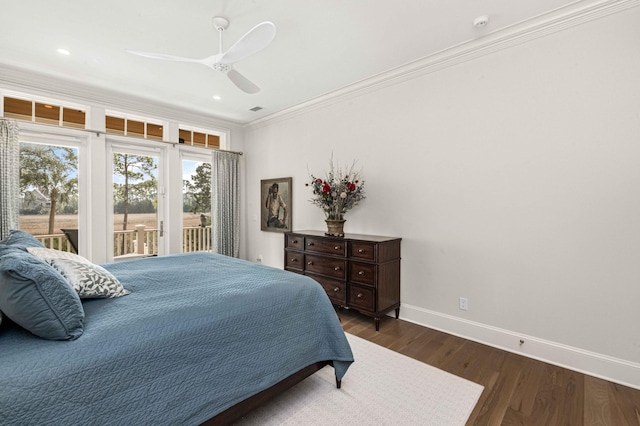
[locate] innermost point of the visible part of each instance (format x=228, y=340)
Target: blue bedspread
x=199, y=333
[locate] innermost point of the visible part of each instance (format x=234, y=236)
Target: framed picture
x=275, y=202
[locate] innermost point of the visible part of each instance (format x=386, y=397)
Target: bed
x=200, y=337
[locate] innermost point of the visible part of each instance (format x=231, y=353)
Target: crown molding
x=553, y=22
x=37, y=84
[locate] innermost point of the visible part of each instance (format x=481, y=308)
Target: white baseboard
x=616, y=370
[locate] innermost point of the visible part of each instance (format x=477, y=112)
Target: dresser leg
x=338, y=383
x=377, y=319
x=398, y=312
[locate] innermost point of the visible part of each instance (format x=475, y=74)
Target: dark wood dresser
x=360, y=272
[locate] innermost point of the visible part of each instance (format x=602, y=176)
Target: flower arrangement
x=339, y=192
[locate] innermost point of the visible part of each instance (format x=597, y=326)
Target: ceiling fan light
x=221, y=67
x=64, y=51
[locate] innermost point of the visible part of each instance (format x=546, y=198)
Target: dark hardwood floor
x=517, y=390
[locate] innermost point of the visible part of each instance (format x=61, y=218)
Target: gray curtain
x=9, y=176
x=225, y=206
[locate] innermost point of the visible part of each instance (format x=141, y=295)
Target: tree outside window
x=48, y=181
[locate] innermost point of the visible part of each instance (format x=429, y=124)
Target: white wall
x=513, y=180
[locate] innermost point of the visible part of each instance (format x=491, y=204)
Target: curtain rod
x=102, y=132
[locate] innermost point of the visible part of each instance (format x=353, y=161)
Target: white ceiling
x=320, y=45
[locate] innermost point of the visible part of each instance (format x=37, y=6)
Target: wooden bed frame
x=236, y=412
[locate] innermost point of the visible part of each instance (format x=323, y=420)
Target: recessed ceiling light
x=64, y=51
x=217, y=97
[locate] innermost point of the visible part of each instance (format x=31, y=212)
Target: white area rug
x=381, y=387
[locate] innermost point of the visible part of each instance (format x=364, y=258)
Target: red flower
x=325, y=187
x=318, y=180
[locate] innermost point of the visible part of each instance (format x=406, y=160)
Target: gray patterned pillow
x=88, y=279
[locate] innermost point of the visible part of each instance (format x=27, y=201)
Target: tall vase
x=335, y=228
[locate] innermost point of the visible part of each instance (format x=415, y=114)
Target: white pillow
x=49, y=254
x=89, y=280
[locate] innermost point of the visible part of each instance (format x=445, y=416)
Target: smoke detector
x=481, y=21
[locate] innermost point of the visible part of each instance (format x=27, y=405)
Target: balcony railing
x=56, y=242
x=139, y=241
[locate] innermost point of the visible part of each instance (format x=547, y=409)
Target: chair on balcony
x=72, y=236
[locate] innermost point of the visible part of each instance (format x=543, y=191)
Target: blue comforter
x=199, y=333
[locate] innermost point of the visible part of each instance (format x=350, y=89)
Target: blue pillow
x=18, y=240
x=36, y=297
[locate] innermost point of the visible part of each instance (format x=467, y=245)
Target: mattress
x=199, y=333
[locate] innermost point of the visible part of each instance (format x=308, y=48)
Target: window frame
x=71, y=138
x=132, y=145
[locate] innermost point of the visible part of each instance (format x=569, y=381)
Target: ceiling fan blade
x=256, y=39
x=242, y=82
x=163, y=56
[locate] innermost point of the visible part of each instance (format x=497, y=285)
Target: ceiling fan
x=256, y=39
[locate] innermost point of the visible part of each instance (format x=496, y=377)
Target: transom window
x=198, y=138
x=120, y=125
x=44, y=112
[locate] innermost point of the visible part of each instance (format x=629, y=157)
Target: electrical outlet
x=259, y=258
x=464, y=303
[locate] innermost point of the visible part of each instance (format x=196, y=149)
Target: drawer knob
x=295, y=241
x=359, y=296
x=337, y=268
x=360, y=250
x=309, y=244
x=361, y=273
x=310, y=263
x=337, y=289
x=336, y=248
x=293, y=259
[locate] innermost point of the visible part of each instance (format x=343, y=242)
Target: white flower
x=343, y=195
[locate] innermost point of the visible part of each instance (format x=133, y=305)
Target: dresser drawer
x=335, y=289
x=326, y=246
x=359, y=272
x=294, y=260
x=365, y=251
x=335, y=268
x=362, y=297
x=362, y=273
x=294, y=241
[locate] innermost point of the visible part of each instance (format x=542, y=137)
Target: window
x=197, y=138
x=120, y=125
x=196, y=203
x=49, y=193
x=44, y=112
x=135, y=202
